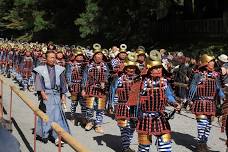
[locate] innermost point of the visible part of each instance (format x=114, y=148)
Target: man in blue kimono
x=51, y=85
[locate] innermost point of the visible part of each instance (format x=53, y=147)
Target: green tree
x=24, y=18
x=121, y=21
x=87, y=21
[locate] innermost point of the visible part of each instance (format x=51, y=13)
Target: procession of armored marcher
x=134, y=85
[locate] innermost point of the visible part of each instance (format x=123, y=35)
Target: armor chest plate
x=76, y=72
x=97, y=74
x=154, y=99
x=207, y=88
x=123, y=90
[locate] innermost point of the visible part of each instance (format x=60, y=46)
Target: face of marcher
x=79, y=58
x=193, y=61
x=130, y=71
x=141, y=58
x=156, y=72
x=51, y=59
x=59, y=55
x=98, y=58
x=27, y=53
x=211, y=65
x=122, y=56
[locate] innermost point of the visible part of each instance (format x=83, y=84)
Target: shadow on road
x=186, y=140
x=111, y=141
x=27, y=144
x=68, y=116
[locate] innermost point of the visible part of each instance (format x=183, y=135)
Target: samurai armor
x=207, y=88
x=95, y=86
x=153, y=124
x=101, y=102
x=123, y=111
x=27, y=68
x=144, y=71
x=76, y=78
x=154, y=99
x=123, y=91
x=206, y=107
x=75, y=88
x=205, y=103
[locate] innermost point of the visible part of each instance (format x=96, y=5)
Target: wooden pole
x=68, y=138
x=30, y=104
x=37, y=112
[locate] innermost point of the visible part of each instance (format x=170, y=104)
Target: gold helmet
x=8, y=46
x=78, y=47
x=131, y=59
x=154, y=59
x=21, y=47
x=113, y=54
x=97, y=48
x=152, y=64
x=162, y=51
x=140, y=50
x=205, y=59
x=83, y=49
x=80, y=52
x=28, y=48
x=61, y=50
x=123, y=48
x=11, y=44
x=105, y=52
x=155, y=55
x=44, y=49
x=131, y=62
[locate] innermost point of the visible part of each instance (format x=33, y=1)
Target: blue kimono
x=51, y=80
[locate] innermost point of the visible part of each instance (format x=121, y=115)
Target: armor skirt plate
x=75, y=88
x=204, y=107
x=153, y=125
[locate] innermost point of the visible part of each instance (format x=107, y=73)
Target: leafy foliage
x=88, y=20
x=75, y=21
x=24, y=17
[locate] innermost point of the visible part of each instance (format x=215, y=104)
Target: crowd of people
x=136, y=86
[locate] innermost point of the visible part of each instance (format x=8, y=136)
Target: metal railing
x=70, y=140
